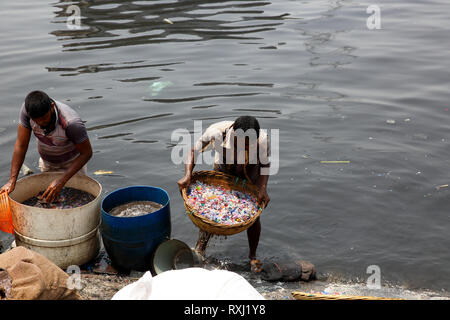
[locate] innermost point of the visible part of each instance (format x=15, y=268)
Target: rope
x=318, y=296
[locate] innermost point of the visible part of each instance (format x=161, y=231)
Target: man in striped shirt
x=62, y=141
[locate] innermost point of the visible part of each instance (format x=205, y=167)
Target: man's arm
x=20, y=150
x=184, y=182
x=262, y=185
x=264, y=168
x=53, y=190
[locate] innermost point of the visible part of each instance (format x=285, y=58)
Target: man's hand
x=184, y=182
x=8, y=187
x=263, y=196
x=53, y=190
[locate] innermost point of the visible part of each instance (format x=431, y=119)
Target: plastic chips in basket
x=221, y=205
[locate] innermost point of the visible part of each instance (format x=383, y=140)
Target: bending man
x=235, y=158
x=62, y=141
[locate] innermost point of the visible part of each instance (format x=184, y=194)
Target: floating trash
x=168, y=21
x=158, y=86
x=390, y=121
x=102, y=172
x=26, y=170
x=67, y=199
x=335, y=161
x=420, y=136
x=135, y=208
x=220, y=205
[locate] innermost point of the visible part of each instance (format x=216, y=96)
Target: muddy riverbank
x=104, y=286
x=100, y=281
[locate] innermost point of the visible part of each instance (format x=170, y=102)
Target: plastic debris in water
x=335, y=161
x=26, y=170
x=168, y=21
x=390, y=121
x=68, y=198
x=135, y=208
x=220, y=205
x=102, y=172
x=158, y=86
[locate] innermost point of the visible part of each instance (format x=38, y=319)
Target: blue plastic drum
x=131, y=241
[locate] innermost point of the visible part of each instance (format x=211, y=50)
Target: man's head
x=245, y=123
x=41, y=109
x=249, y=127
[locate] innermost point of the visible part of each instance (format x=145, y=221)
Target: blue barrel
x=131, y=241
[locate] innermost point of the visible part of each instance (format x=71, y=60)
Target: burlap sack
x=33, y=277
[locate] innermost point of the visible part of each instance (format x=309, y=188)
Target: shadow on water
x=103, y=126
x=109, y=67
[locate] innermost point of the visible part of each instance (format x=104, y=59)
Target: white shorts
x=52, y=167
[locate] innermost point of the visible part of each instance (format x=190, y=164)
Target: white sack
x=190, y=284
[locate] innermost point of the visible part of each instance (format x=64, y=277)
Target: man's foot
x=255, y=265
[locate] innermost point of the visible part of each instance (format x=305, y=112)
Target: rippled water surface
x=312, y=69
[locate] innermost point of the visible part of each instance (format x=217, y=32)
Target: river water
x=335, y=89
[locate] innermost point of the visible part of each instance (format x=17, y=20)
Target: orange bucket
x=5, y=214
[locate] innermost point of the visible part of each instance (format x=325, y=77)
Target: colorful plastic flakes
x=220, y=205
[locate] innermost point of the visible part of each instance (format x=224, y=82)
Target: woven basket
x=228, y=182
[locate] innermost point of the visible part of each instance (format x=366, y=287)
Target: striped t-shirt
x=59, y=145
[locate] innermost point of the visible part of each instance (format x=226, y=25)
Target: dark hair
x=245, y=123
x=37, y=104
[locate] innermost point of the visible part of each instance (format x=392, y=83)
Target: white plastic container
x=65, y=236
